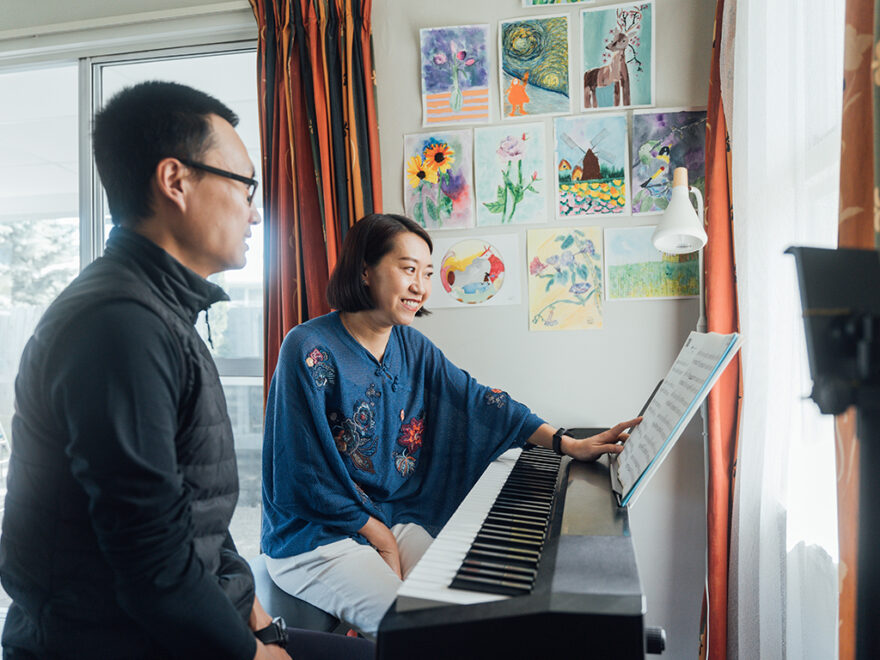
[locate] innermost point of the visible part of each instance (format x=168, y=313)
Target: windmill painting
x=617, y=49
x=591, y=165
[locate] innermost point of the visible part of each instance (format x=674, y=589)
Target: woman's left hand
x=607, y=442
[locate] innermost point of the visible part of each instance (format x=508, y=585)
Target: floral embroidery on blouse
x=372, y=392
x=410, y=438
x=496, y=397
x=364, y=497
x=322, y=371
x=354, y=435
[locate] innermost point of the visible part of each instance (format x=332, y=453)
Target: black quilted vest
x=47, y=538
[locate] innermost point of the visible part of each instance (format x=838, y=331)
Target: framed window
x=54, y=221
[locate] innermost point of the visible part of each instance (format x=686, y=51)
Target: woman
x=372, y=437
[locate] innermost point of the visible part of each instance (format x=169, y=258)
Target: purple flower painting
x=455, y=78
x=565, y=279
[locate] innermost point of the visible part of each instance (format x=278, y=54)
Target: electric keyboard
x=573, y=585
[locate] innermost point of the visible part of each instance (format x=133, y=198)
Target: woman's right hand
x=381, y=538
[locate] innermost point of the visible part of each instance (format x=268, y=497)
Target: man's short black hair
x=139, y=127
x=370, y=239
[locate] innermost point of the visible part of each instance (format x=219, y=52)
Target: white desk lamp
x=680, y=230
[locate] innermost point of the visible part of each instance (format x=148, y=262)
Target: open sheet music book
x=699, y=364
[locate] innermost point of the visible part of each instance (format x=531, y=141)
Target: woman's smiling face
x=400, y=282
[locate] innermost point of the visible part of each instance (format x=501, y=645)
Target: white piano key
x=427, y=584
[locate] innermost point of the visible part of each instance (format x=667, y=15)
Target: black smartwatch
x=274, y=633
x=557, y=441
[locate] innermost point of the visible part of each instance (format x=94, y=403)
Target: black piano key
x=517, y=511
x=490, y=585
x=509, y=541
x=479, y=553
x=504, y=517
x=498, y=575
x=505, y=553
x=537, y=507
x=511, y=551
x=500, y=566
x=513, y=530
x=527, y=494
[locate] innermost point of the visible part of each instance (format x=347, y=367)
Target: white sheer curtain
x=785, y=142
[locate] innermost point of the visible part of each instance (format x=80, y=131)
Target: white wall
x=574, y=378
x=582, y=378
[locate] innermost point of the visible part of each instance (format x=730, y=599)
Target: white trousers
x=349, y=580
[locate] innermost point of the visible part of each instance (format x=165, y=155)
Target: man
x=123, y=477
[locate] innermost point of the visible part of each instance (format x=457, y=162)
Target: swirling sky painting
x=533, y=57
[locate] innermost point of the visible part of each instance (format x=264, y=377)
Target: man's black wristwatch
x=274, y=633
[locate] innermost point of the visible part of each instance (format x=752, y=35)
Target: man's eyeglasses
x=251, y=183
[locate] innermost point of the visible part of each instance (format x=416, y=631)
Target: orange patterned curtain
x=722, y=316
x=318, y=131
x=859, y=201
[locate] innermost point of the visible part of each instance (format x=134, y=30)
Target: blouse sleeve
x=488, y=417
x=303, y=475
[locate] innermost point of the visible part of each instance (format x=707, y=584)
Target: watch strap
x=557, y=440
x=274, y=633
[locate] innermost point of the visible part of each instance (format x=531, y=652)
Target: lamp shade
x=681, y=228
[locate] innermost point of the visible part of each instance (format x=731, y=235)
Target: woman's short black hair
x=370, y=239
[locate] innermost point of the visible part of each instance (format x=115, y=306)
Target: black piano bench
x=295, y=612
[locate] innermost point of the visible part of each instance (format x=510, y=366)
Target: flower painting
x=476, y=272
x=541, y=3
x=617, y=55
x=662, y=141
x=509, y=174
x=635, y=269
x=455, y=75
x=565, y=278
x=533, y=56
x=437, y=179
x=591, y=165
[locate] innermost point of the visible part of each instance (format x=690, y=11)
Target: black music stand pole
x=841, y=303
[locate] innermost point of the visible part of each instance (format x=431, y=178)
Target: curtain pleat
x=724, y=401
x=320, y=165
x=856, y=229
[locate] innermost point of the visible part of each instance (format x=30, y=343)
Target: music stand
x=841, y=302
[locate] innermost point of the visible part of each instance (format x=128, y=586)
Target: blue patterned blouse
x=347, y=437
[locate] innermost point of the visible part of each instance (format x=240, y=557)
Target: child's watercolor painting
x=661, y=141
x=437, y=181
x=476, y=272
x=591, y=165
x=617, y=56
x=510, y=174
x=533, y=63
x=635, y=270
x=565, y=278
x=455, y=75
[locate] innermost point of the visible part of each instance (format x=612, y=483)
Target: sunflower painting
x=438, y=180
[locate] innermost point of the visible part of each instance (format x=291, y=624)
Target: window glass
x=39, y=208
x=236, y=327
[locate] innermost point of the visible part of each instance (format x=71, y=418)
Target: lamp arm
x=701, y=322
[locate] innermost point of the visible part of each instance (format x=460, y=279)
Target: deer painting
x=615, y=71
